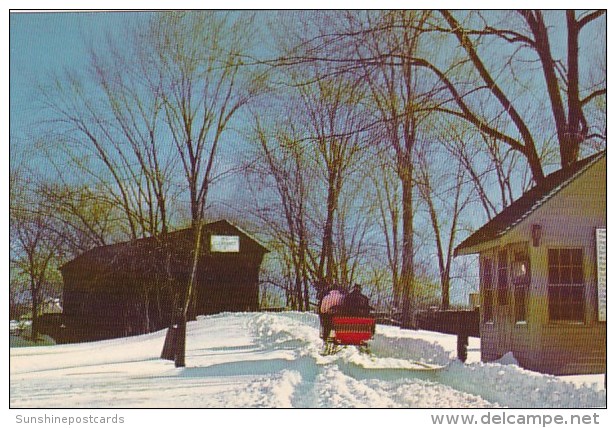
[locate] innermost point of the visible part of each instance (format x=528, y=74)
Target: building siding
x=567, y=220
x=134, y=287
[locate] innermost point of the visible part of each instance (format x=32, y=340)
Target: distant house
x=134, y=287
x=542, y=273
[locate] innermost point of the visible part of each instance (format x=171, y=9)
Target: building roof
x=180, y=240
x=528, y=203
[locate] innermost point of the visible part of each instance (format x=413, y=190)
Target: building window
x=566, y=284
x=503, y=298
x=520, y=277
x=487, y=282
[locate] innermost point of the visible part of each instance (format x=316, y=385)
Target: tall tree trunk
x=303, y=269
x=326, y=265
x=407, y=274
x=298, y=286
x=445, y=290
x=35, y=311
x=180, y=342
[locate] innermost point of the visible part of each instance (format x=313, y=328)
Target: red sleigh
x=350, y=331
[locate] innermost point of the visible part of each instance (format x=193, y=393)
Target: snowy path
x=273, y=360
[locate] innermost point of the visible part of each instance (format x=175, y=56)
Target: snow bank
x=513, y=386
x=273, y=361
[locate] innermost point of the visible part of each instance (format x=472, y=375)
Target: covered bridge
x=133, y=287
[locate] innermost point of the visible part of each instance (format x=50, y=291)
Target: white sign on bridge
x=225, y=244
x=601, y=235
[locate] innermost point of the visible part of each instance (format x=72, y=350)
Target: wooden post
x=168, y=352
x=180, y=343
x=168, y=348
x=462, y=346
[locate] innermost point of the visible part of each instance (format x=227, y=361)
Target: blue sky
x=42, y=44
x=48, y=44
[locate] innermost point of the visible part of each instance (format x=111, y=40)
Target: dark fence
x=387, y=318
x=464, y=322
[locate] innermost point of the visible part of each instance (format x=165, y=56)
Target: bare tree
x=310, y=161
x=402, y=104
x=36, y=248
x=353, y=225
x=334, y=121
x=380, y=50
x=105, y=131
x=496, y=77
x=567, y=93
x=197, y=61
x=88, y=218
x=282, y=158
x=386, y=184
x=445, y=196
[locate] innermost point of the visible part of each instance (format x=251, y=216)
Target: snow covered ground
x=256, y=360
